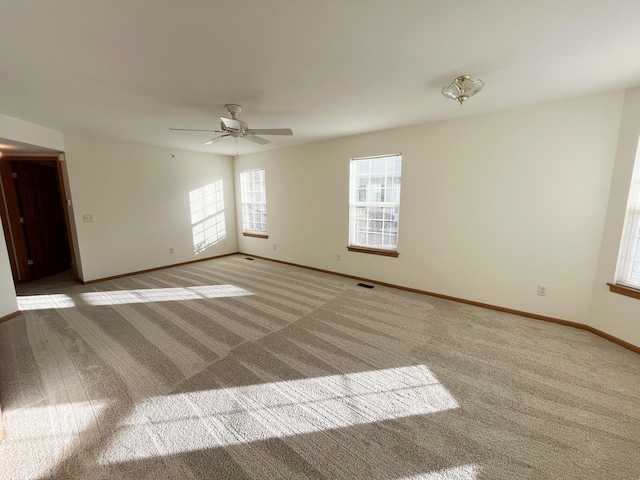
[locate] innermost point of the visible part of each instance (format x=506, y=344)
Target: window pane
x=374, y=202
x=253, y=195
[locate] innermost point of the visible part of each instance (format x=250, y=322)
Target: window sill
x=255, y=235
x=373, y=251
x=626, y=291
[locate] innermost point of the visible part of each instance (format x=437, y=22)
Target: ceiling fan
x=232, y=127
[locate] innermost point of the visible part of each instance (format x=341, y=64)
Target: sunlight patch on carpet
x=463, y=472
x=50, y=422
x=240, y=415
x=119, y=297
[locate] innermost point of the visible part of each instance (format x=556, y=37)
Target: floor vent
x=247, y=258
x=364, y=285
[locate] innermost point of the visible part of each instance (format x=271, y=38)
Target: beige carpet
x=233, y=368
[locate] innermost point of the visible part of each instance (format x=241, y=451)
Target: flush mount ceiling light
x=462, y=88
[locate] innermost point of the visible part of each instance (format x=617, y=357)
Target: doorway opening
x=35, y=219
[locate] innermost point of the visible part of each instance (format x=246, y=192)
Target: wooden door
x=40, y=205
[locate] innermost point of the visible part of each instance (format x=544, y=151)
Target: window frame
x=245, y=203
x=627, y=276
x=355, y=190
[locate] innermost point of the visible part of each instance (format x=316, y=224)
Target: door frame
x=10, y=214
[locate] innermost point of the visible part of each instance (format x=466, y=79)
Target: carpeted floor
x=233, y=368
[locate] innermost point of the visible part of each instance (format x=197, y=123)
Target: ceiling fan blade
x=255, y=139
x=192, y=130
x=209, y=142
x=272, y=131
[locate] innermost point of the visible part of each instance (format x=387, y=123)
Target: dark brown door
x=41, y=208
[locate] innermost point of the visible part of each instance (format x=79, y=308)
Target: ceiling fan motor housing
x=233, y=125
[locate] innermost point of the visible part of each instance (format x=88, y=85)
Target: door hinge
x=29, y=262
x=21, y=219
x=14, y=175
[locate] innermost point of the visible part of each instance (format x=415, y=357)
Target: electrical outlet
x=171, y=251
x=542, y=290
x=274, y=246
x=87, y=217
x=338, y=257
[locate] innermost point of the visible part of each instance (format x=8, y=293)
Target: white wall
x=25, y=132
x=8, y=302
x=491, y=205
x=610, y=312
x=139, y=197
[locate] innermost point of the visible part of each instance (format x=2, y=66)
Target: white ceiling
x=324, y=68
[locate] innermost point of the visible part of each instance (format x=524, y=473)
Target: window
x=374, y=203
x=254, y=203
x=628, y=273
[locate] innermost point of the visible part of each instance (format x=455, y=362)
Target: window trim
x=253, y=233
x=388, y=252
x=627, y=281
x=624, y=290
x=374, y=251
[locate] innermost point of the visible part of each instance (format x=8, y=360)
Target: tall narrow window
x=374, y=204
x=629, y=260
x=254, y=203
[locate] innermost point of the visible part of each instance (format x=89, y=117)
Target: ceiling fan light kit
x=233, y=127
x=462, y=88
